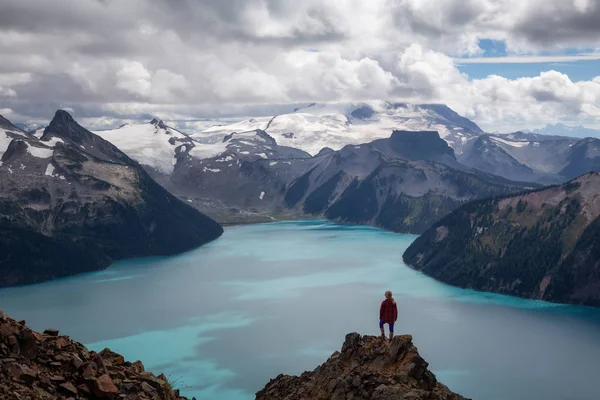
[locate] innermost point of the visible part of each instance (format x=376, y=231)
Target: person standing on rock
x=388, y=314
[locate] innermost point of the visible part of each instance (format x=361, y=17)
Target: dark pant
x=382, y=322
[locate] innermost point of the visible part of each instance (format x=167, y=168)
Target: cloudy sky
x=506, y=64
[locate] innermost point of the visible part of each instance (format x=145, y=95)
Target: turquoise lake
x=265, y=299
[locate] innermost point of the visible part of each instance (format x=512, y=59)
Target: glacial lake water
x=265, y=299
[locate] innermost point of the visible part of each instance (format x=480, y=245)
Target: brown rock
x=129, y=387
x=45, y=380
x=151, y=379
x=57, y=378
x=103, y=386
x=22, y=372
x=44, y=394
x=83, y=388
x=12, y=340
x=76, y=361
x=51, y=332
x=138, y=367
x=88, y=371
x=366, y=368
x=147, y=388
x=68, y=388
x=61, y=358
x=48, y=366
x=28, y=344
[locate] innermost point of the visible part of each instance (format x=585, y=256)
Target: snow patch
x=263, y=155
x=52, y=142
x=333, y=126
x=4, y=142
x=211, y=169
x=262, y=195
x=39, y=152
x=226, y=159
x=49, y=170
x=507, y=142
x=150, y=145
x=272, y=163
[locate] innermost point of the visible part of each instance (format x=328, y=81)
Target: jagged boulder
x=51, y=366
x=368, y=367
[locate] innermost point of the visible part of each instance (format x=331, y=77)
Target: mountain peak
x=367, y=367
x=158, y=123
x=420, y=145
x=62, y=116
x=64, y=126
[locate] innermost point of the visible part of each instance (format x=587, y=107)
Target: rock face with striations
x=367, y=368
x=49, y=366
x=71, y=202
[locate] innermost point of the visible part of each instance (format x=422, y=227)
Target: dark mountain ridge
x=541, y=244
x=404, y=183
x=72, y=202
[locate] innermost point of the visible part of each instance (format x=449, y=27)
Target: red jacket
x=388, y=311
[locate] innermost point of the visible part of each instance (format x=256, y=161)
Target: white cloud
x=213, y=57
x=496, y=102
x=134, y=78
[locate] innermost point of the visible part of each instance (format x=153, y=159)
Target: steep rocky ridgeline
x=532, y=157
x=367, y=367
x=544, y=244
x=51, y=366
x=404, y=183
x=71, y=202
x=582, y=157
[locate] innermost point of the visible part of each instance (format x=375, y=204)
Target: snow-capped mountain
x=336, y=125
x=157, y=146
x=566, y=130
x=8, y=132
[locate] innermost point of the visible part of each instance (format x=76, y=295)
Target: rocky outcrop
x=368, y=367
x=51, y=366
x=542, y=244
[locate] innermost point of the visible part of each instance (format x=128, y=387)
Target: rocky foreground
x=49, y=366
x=368, y=367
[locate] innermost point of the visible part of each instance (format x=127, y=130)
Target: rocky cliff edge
x=368, y=367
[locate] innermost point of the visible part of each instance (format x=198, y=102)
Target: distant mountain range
x=566, y=130
x=72, y=202
x=398, y=166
